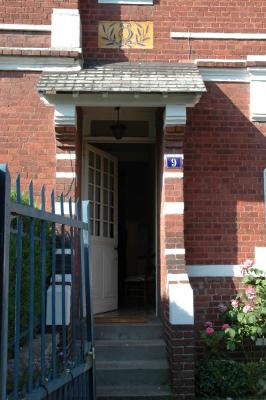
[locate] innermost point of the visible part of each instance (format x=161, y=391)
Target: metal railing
x=46, y=327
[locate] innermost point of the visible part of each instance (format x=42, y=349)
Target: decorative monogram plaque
x=125, y=35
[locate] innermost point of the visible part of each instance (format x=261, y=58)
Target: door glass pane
x=111, y=230
x=98, y=178
x=91, y=226
x=91, y=210
x=111, y=214
x=97, y=228
x=91, y=175
x=105, y=197
x=91, y=158
x=105, y=229
x=97, y=211
x=105, y=213
x=91, y=197
x=105, y=165
x=111, y=182
x=111, y=198
x=105, y=181
x=98, y=194
x=111, y=167
x=98, y=161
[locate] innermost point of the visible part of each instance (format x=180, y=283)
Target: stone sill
x=44, y=52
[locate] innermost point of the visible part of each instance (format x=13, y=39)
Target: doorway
x=120, y=180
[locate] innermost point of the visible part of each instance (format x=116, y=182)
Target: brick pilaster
x=175, y=284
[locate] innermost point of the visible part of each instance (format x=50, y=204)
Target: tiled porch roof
x=126, y=77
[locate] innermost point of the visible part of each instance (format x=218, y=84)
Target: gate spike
x=18, y=190
x=31, y=193
x=52, y=202
x=43, y=197
x=62, y=204
x=70, y=206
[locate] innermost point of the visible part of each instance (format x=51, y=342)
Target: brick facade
x=31, y=11
x=224, y=152
x=224, y=156
x=177, y=15
x=26, y=130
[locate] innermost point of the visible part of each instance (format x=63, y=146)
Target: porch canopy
x=125, y=77
x=173, y=86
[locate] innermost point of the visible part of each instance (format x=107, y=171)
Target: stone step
x=135, y=372
x=134, y=392
x=123, y=350
x=142, y=331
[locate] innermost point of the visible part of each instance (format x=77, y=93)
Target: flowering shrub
x=244, y=319
x=242, y=322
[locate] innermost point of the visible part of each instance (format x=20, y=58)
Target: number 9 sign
x=174, y=162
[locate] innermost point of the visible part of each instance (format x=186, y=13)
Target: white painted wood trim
x=219, y=270
x=173, y=155
x=225, y=74
x=136, y=2
x=181, y=304
x=66, y=28
x=25, y=27
x=63, y=156
x=174, y=252
x=223, y=60
x=218, y=35
x=173, y=175
x=51, y=64
x=77, y=49
x=173, y=208
x=66, y=175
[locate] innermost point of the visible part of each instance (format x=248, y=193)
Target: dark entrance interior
x=136, y=224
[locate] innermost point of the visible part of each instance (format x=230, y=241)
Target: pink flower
x=208, y=324
x=209, y=331
x=248, y=307
x=234, y=303
x=246, y=266
x=225, y=326
x=222, y=307
x=251, y=293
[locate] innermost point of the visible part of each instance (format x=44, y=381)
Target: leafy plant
x=25, y=271
x=218, y=379
x=242, y=323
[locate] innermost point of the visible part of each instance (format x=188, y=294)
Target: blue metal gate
x=46, y=325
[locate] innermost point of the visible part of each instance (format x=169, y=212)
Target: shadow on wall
x=225, y=155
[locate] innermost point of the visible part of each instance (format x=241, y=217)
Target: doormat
x=119, y=319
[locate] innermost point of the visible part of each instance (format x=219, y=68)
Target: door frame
x=101, y=239
x=88, y=140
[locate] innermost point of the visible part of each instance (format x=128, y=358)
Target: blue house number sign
x=174, y=162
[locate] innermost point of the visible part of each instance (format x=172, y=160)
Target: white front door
x=100, y=184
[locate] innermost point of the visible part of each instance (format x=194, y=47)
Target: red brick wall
x=209, y=293
x=225, y=155
x=26, y=130
x=30, y=39
x=31, y=11
x=179, y=15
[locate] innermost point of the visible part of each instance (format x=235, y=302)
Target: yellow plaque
x=125, y=35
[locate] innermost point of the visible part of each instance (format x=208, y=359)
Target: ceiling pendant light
x=118, y=129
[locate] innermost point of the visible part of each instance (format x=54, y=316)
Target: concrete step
x=134, y=392
x=143, y=331
x=124, y=350
x=135, y=372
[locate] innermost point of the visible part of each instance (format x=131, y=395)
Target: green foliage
x=242, y=323
x=25, y=271
x=228, y=378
